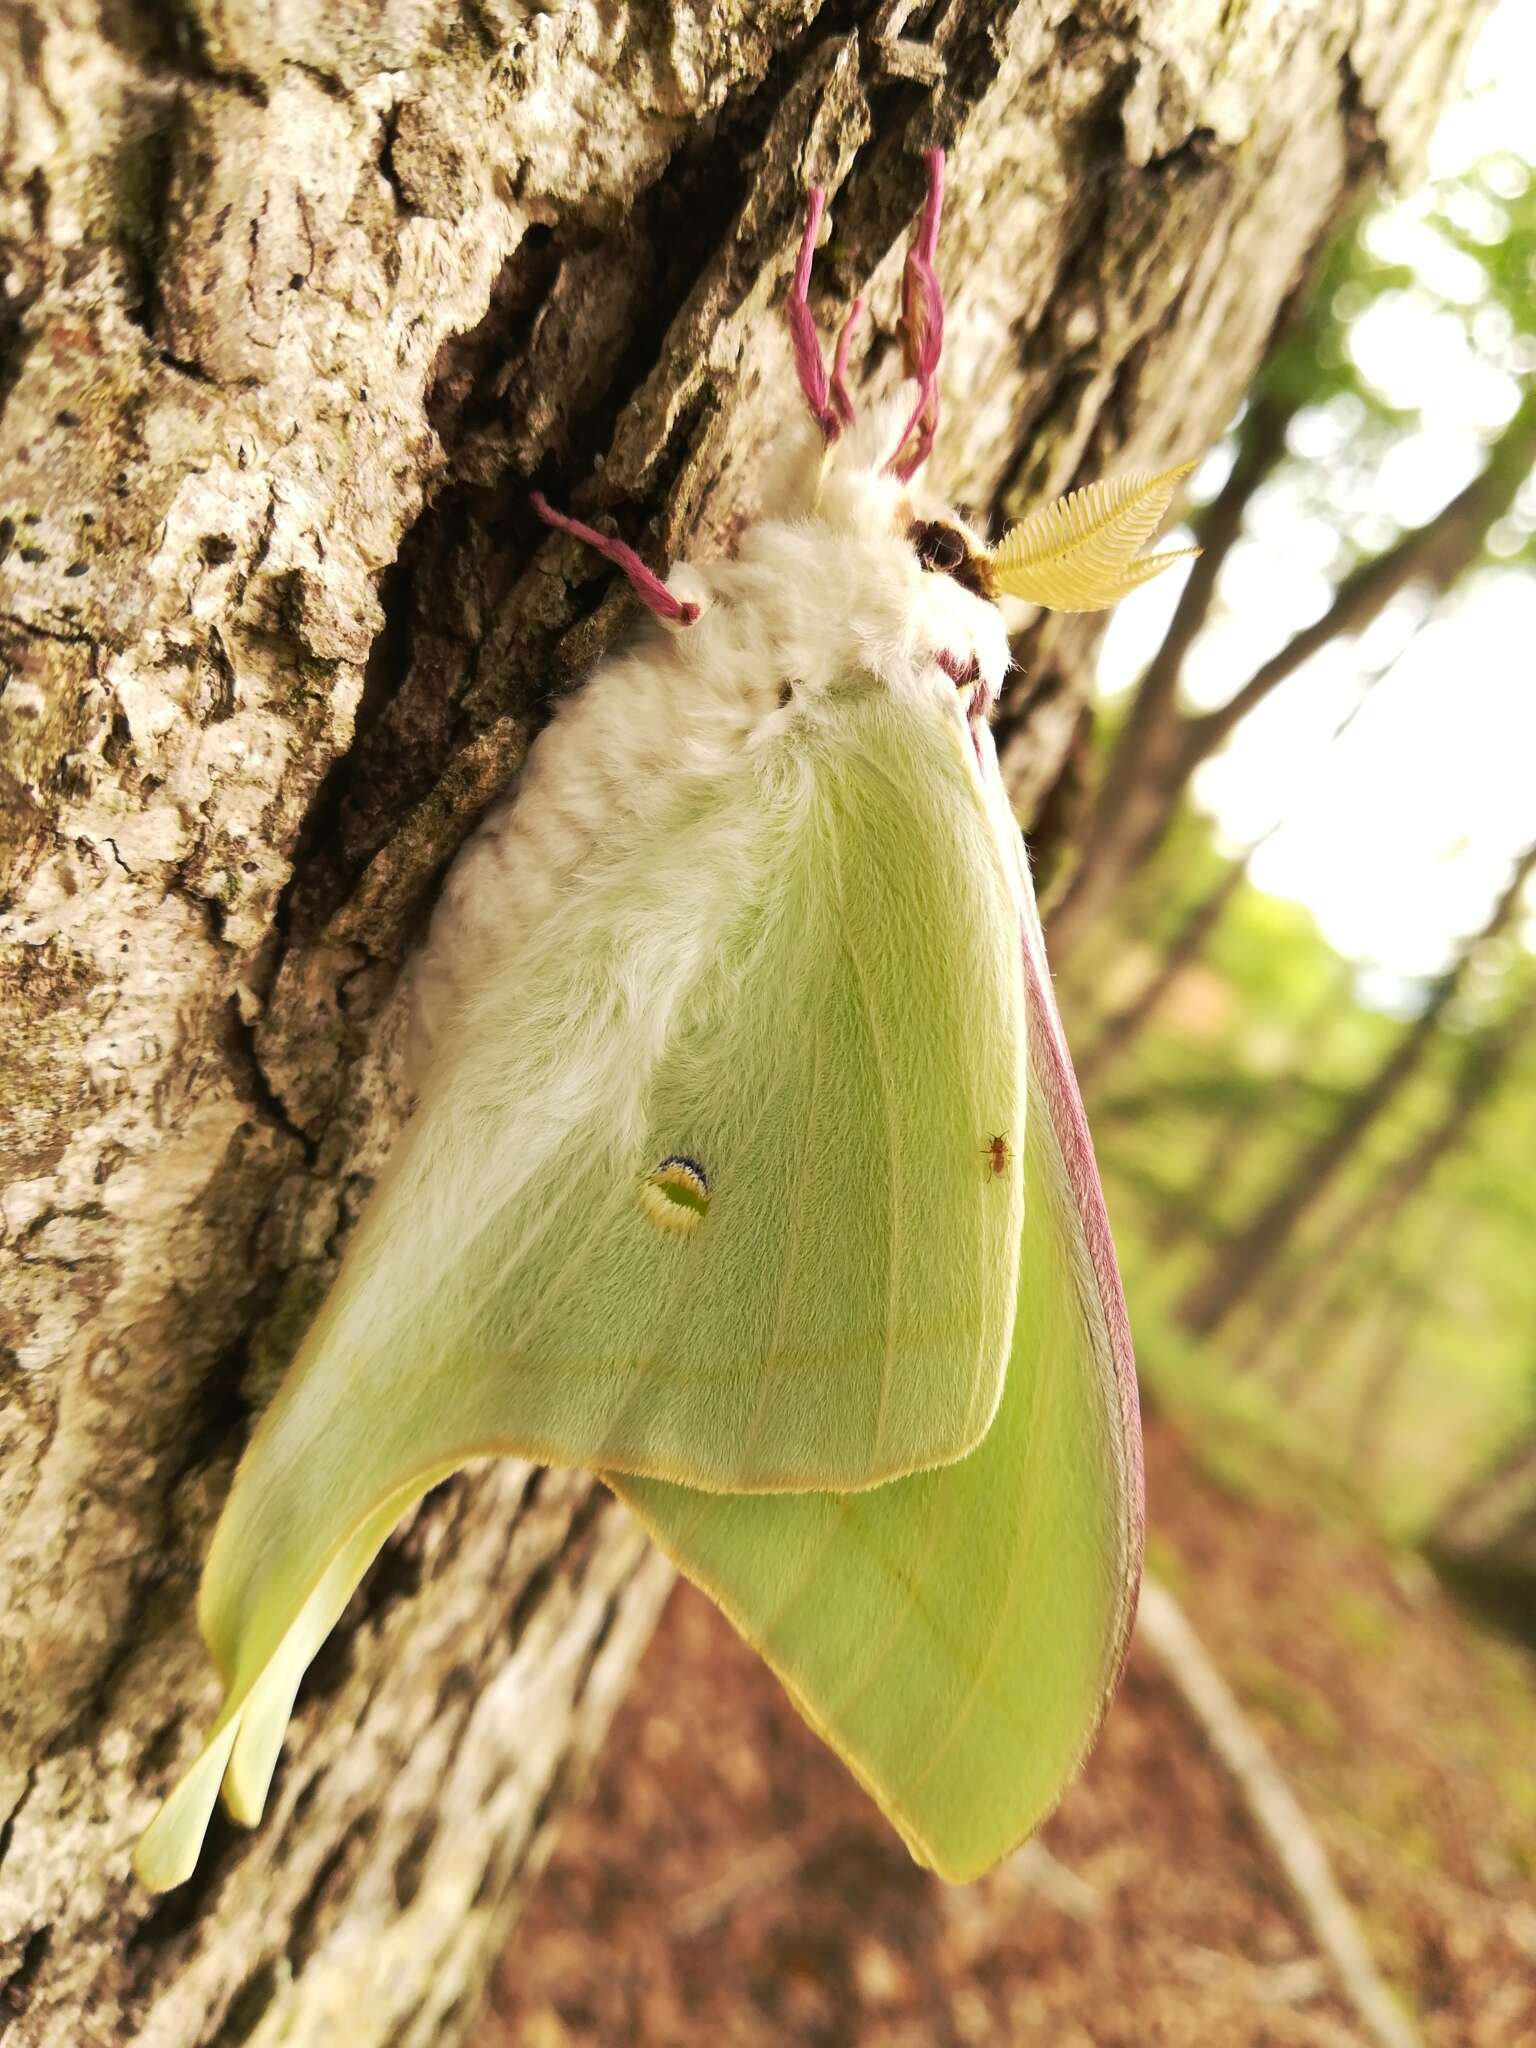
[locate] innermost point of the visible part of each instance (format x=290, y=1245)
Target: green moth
x=748, y=1168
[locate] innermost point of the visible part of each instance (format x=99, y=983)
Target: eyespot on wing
x=675, y=1194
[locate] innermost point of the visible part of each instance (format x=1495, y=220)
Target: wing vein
x=791, y=1241
x=887, y=1100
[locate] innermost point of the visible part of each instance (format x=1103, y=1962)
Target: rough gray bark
x=296, y=302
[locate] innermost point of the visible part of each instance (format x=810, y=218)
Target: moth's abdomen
x=607, y=770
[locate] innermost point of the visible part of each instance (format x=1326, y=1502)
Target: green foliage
x=1402, y=1365
x=1253, y=1055
x=1460, y=254
x=1311, y=364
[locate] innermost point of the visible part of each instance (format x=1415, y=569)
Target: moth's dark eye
x=946, y=551
x=939, y=547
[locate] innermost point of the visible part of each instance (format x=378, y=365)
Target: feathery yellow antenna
x=1079, y=553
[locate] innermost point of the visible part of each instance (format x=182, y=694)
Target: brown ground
x=728, y=1883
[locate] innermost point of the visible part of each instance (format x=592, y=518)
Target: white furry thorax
x=825, y=586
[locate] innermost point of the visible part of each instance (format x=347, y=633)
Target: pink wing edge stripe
x=1064, y=1104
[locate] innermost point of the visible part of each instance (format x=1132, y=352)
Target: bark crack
x=1365, y=146
x=260, y=1091
x=177, y=34
x=16, y=1991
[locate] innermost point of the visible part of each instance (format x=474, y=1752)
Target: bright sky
x=1399, y=836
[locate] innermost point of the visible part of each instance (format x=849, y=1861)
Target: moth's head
x=857, y=479
x=859, y=565
x=889, y=575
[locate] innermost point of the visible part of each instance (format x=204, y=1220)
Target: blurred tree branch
x=1482, y=1064
x=1485, y=1542
x=1189, y=938
x=1160, y=748
x=1165, y=1629
x=1188, y=941
x=1238, y=1265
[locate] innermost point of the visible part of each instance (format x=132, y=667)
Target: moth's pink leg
x=649, y=587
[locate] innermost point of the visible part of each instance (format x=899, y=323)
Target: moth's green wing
x=955, y=1636
x=241, y=1749
x=806, y=985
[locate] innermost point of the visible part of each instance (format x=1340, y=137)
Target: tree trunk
x=1484, y=1061
x=1237, y=1267
x=1120, y=1030
x=1386, y=1361
x=1154, y=712
x=1485, y=1542
x=297, y=302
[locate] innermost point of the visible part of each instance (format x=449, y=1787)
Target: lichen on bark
x=295, y=304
